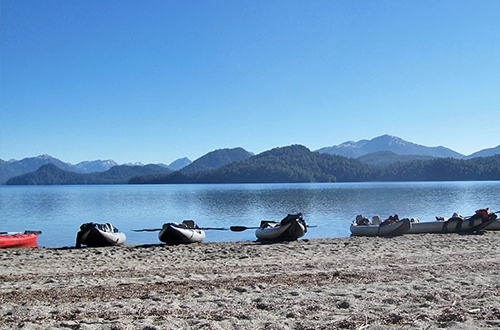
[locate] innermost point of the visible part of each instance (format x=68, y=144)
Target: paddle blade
x=241, y=228
x=237, y=228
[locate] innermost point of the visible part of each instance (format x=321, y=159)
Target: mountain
x=299, y=164
x=94, y=166
x=179, y=164
x=14, y=168
x=294, y=163
x=386, y=158
x=286, y=164
x=381, y=151
x=485, y=152
x=397, y=145
x=50, y=174
x=216, y=159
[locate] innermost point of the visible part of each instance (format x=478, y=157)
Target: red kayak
x=19, y=240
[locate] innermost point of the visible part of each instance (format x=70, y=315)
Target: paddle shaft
x=158, y=229
x=242, y=228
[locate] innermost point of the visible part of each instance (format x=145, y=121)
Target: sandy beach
x=409, y=282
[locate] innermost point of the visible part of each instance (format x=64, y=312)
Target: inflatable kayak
x=97, y=235
x=495, y=225
x=395, y=228
x=457, y=224
x=187, y=232
x=19, y=240
x=290, y=228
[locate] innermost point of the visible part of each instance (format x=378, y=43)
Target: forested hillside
x=52, y=175
x=444, y=169
x=216, y=159
x=287, y=164
x=299, y=164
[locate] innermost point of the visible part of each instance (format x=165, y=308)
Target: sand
x=409, y=282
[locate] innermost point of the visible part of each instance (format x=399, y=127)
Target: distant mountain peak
x=94, y=166
x=388, y=142
x=179, y=164
x=44, y=156
x=216, y=159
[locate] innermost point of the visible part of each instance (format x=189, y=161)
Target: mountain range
x=51, y=174
x=12, y=168
x=296, y=163
x=381, y=151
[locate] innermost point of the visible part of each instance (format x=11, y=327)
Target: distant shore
x=408, y=282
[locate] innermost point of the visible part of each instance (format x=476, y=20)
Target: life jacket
x=484, y=213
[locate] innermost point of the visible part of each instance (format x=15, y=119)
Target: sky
x=153, y=81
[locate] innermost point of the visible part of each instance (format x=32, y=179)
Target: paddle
x=242, y=228
x=158, y=229
x=147, y=229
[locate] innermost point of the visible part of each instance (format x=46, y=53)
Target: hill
x=14, y=168
x=50, y=174
x=299, y=164
x=444, y=169
x=216, y=159
x=380, y=152
x=286, y=164
x=485, y=152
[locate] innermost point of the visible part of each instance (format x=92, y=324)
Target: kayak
x=456, y=225
x=384, y=229
x=494, y=225
x=19, y=240
x=96, y=235
x=290, y=228
x=476, y=223
x=187, y=232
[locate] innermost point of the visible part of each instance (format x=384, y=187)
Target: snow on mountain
x=94, y=166
x=386, y=142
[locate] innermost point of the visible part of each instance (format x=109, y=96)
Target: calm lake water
x=59, y=211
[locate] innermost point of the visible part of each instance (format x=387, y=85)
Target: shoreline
x=410, y=282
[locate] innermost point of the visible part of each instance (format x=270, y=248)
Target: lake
x=58, y=211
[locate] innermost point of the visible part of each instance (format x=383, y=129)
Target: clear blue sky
x=153, y=81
